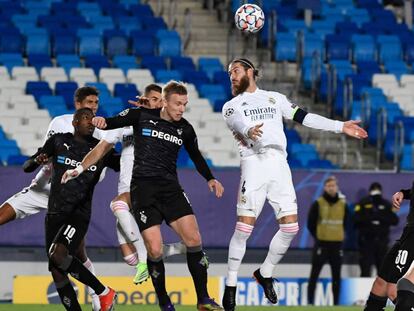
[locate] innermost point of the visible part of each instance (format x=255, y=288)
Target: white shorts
x=29, y=201
x=125, y=174
x=266, y=176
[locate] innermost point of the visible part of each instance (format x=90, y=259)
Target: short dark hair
x=247, y=64
x=174, y=87
x=329, y=179
x=375, y=186
x=80, y=112
x=83, y=92
x=152, y=87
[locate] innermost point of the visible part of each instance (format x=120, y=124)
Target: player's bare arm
x=397, y=199
x=97, y=153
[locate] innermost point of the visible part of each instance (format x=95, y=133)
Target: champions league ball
x=249, y=18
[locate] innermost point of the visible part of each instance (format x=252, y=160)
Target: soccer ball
x=249, y=18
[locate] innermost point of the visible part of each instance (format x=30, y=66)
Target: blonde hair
x=173, y=87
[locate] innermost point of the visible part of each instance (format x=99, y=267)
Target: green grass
x=11, y=307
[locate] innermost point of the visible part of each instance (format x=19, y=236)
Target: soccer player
x=69, y=208
x=255, y=117
x=395, y=264
x=156, y=194
x=131, y=242
x=32, y=199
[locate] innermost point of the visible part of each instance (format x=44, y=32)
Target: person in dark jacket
x=326, y=223
x=373, y=218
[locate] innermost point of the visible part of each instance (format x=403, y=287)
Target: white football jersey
x=249, y=109
x=60, y=124
x=124, y=135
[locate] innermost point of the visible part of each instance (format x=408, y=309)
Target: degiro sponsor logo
x=74, y=163
x=162, y=135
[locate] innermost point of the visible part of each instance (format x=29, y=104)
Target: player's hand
x=142, y=101
x=255, y=132
x=41, y=159
x=397, y=198
x=71, y=174
x=351, y=128
x=216, y=186
x=99, y=122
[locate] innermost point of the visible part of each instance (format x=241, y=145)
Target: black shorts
x=398, y=259
x=154, y=201
x=65, y=229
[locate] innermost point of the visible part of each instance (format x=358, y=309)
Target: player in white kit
x=34, y=198
x=255, y=117
x=130, y=239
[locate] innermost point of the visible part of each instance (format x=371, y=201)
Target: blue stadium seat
x=163, y=76
x=368, y=67
x=304, y=152
x=143, y=43
x=337, y=47
x=38, y=89
x=116, y=42
x=397, y=67
x=102, y=88
x=285, y=47
x=63, y=43
x=11, y=60
x=66, y=89
x=169, y=47
x=153, y=23
x=11, y=41
x=321, y=164
x=68, y=61
x=96, y=62
x=153, y=63
x=8, y=147
x=39, y=61
x=125, y=62
x=128, y=23
x=389, y=48
x=47, y=101
x=90, y=45
x=197, y=78
x=363, y=48
x=112, y=106
x=182, y=63
x=125, y=92
x=140, y=10
x=212, y=92
x=313, y=46
x=407, y=160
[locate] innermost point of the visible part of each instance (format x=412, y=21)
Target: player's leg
x=66, y=242
x=127, y=231
x=251, y=198
x=65, y=290
x=335, y=261
x=7, y=213
x=187, y=228
x=319, y=257
x=378, y=296
x=153, y=241
x=83, y=257
x=24, y=203
x=405, y=291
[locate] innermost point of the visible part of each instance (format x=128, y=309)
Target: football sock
x=81, y=273
x=278, y=247
x=95, y=299
x=375, y=303
x=67, y=295
x=129, y=227
x=405, y=295
x=197, y=264
x=237, y=249
x=131, y=259
x=157, y=271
